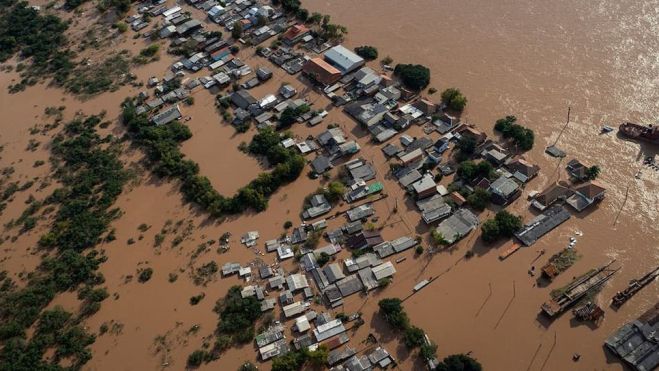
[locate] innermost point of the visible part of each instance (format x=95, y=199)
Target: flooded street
x=531, y=59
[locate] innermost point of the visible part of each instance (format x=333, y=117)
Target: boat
x=639, y=132
x=578, y=289
x=510, y=250
x=634, y=286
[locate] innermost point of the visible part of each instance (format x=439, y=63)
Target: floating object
x=420, y=285
x=606, y=129
x=634, y=287
x=511, y=250
x=555, y=151
x=588, y=312
x=639, y=132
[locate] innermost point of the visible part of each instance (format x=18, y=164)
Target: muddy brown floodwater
x=532, y=59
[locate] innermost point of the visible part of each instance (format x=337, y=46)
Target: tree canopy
x=367, y=52
x=413, y=76
x=521, y=136
x=504, y=224
x=459, y=362
x=454, y=99
x=392, y=311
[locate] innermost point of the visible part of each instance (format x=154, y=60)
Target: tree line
x=162, y=146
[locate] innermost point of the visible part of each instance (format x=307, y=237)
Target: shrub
x=367, y=52
x=419, y=250
x=413, y=76
x=121, y=27
x=145, y=275
x=288, y=224
x=454, y=99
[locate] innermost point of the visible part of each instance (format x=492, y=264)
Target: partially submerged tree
x=413, y=76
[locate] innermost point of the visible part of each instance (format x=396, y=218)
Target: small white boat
x=606, y=129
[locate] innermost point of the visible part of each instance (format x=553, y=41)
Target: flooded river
x=532, y=59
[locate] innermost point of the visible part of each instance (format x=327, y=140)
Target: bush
x=454, y=99
x=121, y=27
x=288, y=224
x=419, y=250
x=367, y=52
x=413, y=76
x=145, y=275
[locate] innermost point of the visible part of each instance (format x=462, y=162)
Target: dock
x=578, y=289
x=634, y=287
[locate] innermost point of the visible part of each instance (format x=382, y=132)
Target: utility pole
x=565, y=126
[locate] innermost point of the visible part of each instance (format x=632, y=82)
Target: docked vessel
x=639, y=132
x=634, y=286
x=578, y=289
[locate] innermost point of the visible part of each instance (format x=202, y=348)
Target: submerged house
x=320, y=71
x=457, y=225
x=586, y=195
x=542, y=224
x=636, y=342
x=504, y=190
x=343, y=59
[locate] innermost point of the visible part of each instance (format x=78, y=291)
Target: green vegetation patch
x=92, y=178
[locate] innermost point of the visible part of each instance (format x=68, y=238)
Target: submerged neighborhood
x=450, y=173
x=399, y=177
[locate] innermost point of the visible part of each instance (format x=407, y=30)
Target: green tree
x=479, y=199
x=454, y=99
x=413, y=76
x=391, y=309
x=438, y=239
x=490, y=230
x=323, y=259
x=318, y=357
x=459, y=362
x=367, y=52
x=508, y=223
x=237, y=30
x=593, y=172
x=335, y=192
x=428, y=351
x=521, y=136
x=413, y=337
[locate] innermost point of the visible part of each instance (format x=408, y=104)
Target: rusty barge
x=634, y=287
x=639, y=132
x=578, y=289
